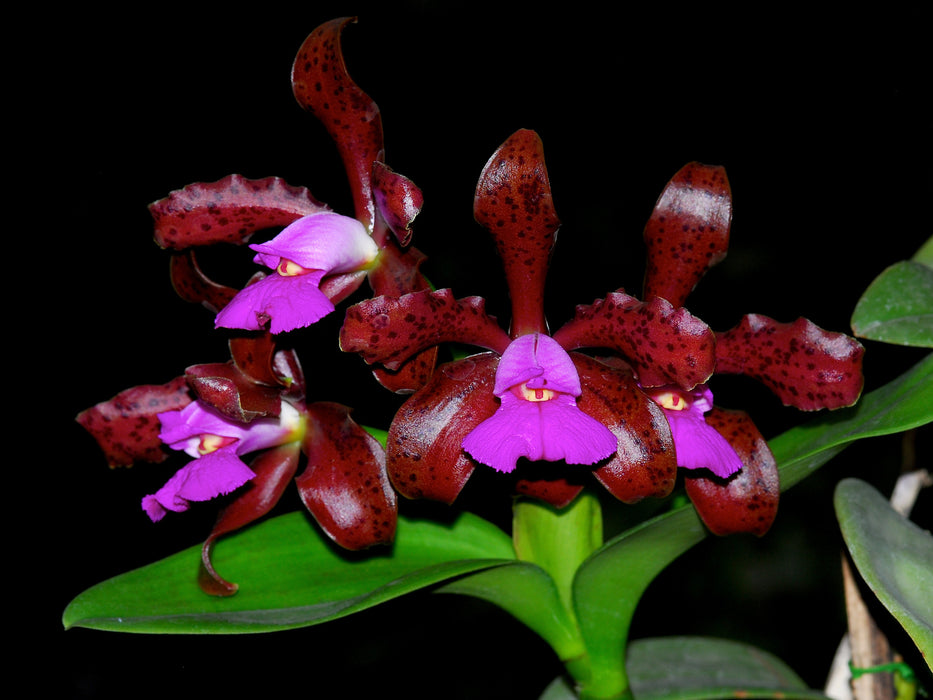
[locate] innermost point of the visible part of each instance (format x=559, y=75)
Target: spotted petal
x=229, y=210
x=424, y=456
x=748, y=500
x=345, y=486
x=688, y=231
x=513, y=202
x=126, y=427
x=322, y=85
x=805, y=366
x=644, y=464
x=389, y=330
x=663, y=344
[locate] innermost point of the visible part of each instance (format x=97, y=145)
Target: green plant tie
x=902, y=669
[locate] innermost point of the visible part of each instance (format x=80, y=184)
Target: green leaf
x=694, y=668
x=893, y=555
x=700, y=668
x=902, y=404
x=289, y=575
x=897, y=307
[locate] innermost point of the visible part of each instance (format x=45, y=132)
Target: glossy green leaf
x=897, y=307
x=289, y=575
x=902, y=404
x=701, y=668
x=893, y=555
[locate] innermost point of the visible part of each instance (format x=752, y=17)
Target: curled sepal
x=257, y=357
x=191, y=284
x=688, y=231
x=228, y=211
x=388, y=330
x=345, y=486
x=513, y=202
x=399, y=201
x=805, y=366
x=748, y=500
x=663, y=344
x=424, y=454
x=274, y=470
x=644, y=464
x=234, y=394
x=127, y=426
x=322, y=86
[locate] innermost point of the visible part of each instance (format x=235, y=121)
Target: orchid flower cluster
x=620, y=392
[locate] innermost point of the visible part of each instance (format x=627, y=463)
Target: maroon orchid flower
x=805, y=366
x=254, y=406
x=321, y=257
x=527, y=395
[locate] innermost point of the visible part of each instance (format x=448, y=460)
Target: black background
x=817, y=117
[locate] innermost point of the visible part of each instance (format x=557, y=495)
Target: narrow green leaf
x=893, y=555
x=897, y=307
x=697, y=668
x=289, y=575
x=903, y=404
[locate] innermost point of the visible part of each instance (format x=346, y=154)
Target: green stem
x=559, y=541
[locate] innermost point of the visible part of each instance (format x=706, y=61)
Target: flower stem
x=559, y=541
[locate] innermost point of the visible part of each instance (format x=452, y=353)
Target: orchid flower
x=301, y=255
x=807, y=367
x=484, y=408
x=252, y=405
x=319, y=257
x=216, y=444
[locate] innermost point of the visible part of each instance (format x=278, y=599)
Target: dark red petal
x=398, y=273
x=322, y=86
x=191, y=284
x=748, y=500
x=688, y=231
x=257, y=357
x=805, y=366
x=424, y=453
x=232, y=393
x=127, y=426
x=513, y=202
x=389, y=330
x=664, y=345
x=345, y=486
x=274, y=471
x=399, y=201
x=645, y=464
x=228, y=211
x=558, y=490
